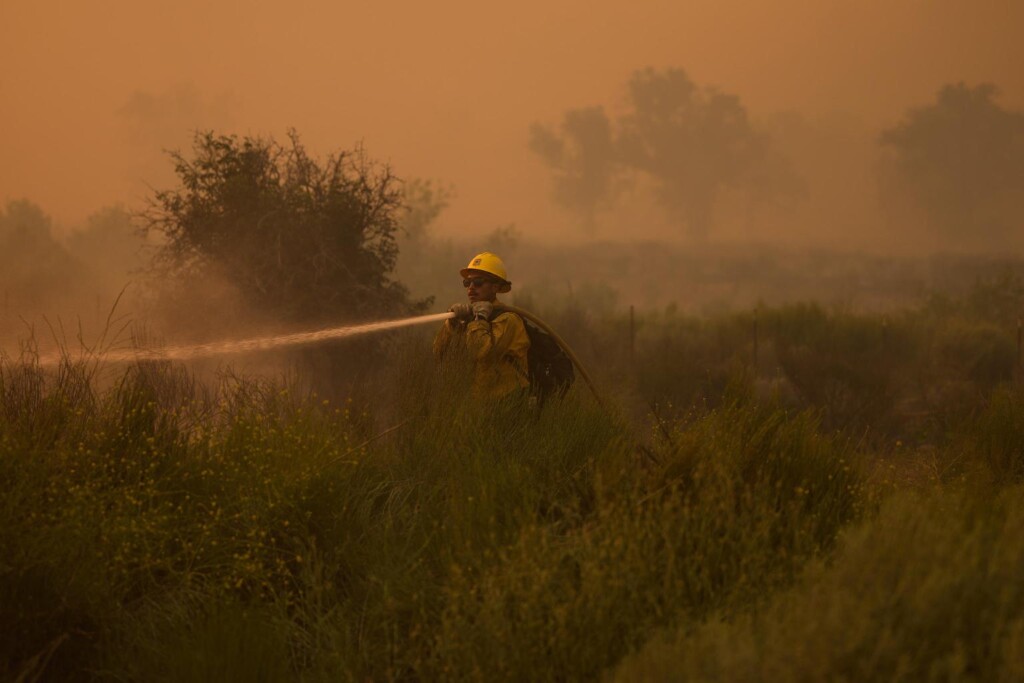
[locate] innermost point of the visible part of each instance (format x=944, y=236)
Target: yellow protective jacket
x=498, y=349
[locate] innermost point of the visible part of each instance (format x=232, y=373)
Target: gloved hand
x=482, y=310
x=462, y=311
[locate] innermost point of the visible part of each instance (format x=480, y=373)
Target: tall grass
x=739, y=498
x=910, y=376
x=994, y=440
x=158, y=527
x=929, y=590
x=163, y=530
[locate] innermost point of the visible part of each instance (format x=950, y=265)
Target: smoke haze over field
x=92, y=91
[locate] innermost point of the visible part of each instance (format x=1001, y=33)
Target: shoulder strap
x=499, y=311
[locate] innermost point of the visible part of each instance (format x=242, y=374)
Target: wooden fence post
x=1018, y=373
x=632, y=338
x=755, y=342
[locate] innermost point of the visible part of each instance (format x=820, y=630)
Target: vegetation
x=690, y=142
x=725, y=525
x=960, y=161
x=584, y=159
x=300, y=239
x=948, y=172
x=34, y=266
x=927, y=590
x=783, y=490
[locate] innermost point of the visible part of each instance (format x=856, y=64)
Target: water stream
x=187, y=352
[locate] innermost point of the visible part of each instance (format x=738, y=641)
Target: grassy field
x=842, y=504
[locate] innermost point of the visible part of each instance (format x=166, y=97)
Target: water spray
x=253, y=344
x=189, y=352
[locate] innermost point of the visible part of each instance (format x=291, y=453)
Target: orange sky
x=443, y=89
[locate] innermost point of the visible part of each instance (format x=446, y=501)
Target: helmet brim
x=506, y=286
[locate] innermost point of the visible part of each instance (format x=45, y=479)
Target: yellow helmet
x=486, y=262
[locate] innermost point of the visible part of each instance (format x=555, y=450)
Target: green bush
x=995, y=439
x=850, y=367
x=741, y=497
x=150, y=526
x=682, y=362
x=154, y=494
x=157, y=527
x=930, y=590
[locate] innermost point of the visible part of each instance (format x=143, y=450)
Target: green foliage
x=737, y=500
x=150, y=526
x=998, y=298
x=424, y=201
x=929, y=590
x=170, y=506
x=684, y=361
x=156, y=527
x=984, y=353
x=109, y=241
x=910, y=376
x=585, y=161
x=211, y=643
x=961, y=161
x=848, y=366
x=424, y=261
x=995, y=440
x=301, y=239
x=691, y=142
x=34, y=268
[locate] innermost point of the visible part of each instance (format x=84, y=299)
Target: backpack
x=550, y=369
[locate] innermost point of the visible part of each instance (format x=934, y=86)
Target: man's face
x=482, y=286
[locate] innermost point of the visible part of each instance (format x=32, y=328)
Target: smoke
x=153, y=123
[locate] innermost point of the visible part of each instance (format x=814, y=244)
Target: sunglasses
x=476, y=282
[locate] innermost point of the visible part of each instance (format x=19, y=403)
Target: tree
x=35, y=270
x=110, y=242
x=111, y=249
x=583, y=159
x=425, y=260
x=304, y=240
x=691, y=141
x=423, y=203
x=959, y=161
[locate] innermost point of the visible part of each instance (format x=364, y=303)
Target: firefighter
x=495, y=340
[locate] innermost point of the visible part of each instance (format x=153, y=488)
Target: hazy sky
x=90, y=91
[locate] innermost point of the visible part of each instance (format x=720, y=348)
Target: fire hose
x=562, y=344
x=523, y=314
